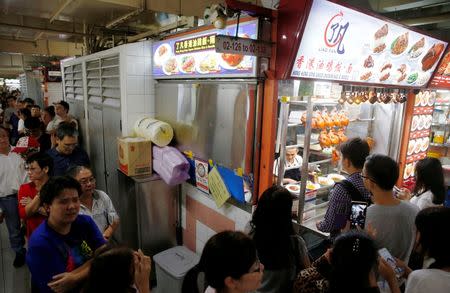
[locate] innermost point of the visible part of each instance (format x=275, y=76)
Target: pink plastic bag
x=170, y=164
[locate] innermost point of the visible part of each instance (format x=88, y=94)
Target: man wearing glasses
x=67, y=153
x=94, y=202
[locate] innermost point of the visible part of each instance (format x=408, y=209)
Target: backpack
x=355, y=194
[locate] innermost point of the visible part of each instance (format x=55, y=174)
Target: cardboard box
x=135, y=155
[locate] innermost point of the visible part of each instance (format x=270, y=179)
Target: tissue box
x=135, y=155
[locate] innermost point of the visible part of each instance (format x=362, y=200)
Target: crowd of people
x=49, y=200
x=409, y=226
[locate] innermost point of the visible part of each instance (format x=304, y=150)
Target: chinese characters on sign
x=339, y=43
x=195, y=44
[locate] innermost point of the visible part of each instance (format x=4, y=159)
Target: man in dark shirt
x=67, y=153
x=354, y=153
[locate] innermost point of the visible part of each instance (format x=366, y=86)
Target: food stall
x=371, y=66
x=440, y=127
x=213, y=102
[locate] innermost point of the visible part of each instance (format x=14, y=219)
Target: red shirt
x=29, y=190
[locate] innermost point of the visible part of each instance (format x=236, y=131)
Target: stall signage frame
x=441, y=79
x=194, y=55
x=337, y=42
x=243, y=46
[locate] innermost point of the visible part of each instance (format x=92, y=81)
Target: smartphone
x=358, y=214
x=387, y=256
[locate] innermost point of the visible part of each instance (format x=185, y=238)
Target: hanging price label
x=242, y=46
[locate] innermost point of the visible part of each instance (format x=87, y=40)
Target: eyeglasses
x=87, y=181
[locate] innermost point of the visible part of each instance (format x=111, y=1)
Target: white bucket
x=159, y=132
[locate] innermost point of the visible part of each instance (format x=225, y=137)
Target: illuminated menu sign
x=194, y=55
x=342, y=44
x=441, y=78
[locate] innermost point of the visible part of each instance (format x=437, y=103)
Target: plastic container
x=159, y=132
x=171, y=267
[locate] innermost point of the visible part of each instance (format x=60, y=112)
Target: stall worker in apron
x=292, y=166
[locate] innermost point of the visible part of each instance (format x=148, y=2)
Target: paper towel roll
x=159, y=132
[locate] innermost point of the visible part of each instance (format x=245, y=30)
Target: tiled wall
x=201, y=218
x=139, y=86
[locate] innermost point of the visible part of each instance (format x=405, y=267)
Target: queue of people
x=271, y=258
x=48, y=187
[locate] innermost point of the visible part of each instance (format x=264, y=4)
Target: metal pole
x=306, y=152
x=283, y=121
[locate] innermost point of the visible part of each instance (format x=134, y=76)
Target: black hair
x=29, y=101
x=50, y=110
x=11, y=97
x=25, y=112
x=432, y=223
x=272, y=228
x=382, y=170
x=66, y=129
x=43, y=160
x=32, y=123
x=353, y=257
x=65, y=105
x=356, y=151
x=55, y=185
x=226, y=254
x=36, y=106
x=430, y=176
x=73, y=170
x=112, y=270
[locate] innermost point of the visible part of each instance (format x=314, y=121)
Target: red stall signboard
x=441, y=78
x=342, y=44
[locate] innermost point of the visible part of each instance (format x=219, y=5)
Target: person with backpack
x=354, y=153
x=390, y=219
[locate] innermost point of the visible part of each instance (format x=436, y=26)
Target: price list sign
x=419, y=137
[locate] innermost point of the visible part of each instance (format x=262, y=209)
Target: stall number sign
x=242, y=46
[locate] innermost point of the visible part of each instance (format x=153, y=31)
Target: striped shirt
x=340, y=205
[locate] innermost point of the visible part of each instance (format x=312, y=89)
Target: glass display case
x=316, y=125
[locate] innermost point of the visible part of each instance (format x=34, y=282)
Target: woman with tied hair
x=430, y=187
x=120, y=270
x=348, y=267
x=282, y=252
x=228, y=264
x=432, y=242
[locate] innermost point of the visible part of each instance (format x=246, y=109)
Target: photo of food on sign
x=343, y=44
x=195, y=55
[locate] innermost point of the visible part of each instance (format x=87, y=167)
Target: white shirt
x=425, y=200
x=297, y=162
x=21, y=125
x=12, y=173
x=428, y=280
x=103, y=211
x=53, y=124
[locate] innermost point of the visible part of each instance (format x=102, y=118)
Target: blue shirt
x=50, y=253
x=62, y=162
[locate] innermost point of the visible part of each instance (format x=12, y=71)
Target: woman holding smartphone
x=348, y=267
x=430, y=189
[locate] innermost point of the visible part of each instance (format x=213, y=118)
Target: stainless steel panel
x=125, y=203
x=213, y=120
x=156, y=215
x=96, y=144
x=111, y=130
